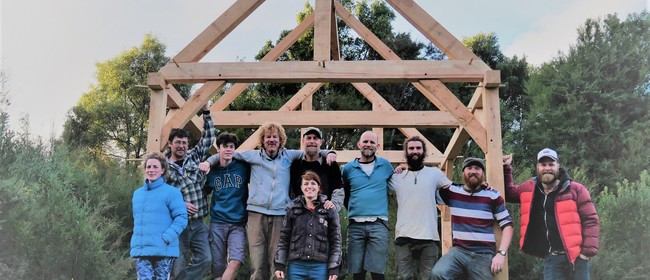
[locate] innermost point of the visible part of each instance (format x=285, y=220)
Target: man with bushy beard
x=416, y=230
x=474, y=209
x=559, y=222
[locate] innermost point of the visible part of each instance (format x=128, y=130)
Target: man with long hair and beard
x=416, y=230
x=559, y=222
x=474, y=209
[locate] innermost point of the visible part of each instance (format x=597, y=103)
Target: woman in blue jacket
x=159, y=217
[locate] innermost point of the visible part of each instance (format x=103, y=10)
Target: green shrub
x=61, y=217
x=624, y=231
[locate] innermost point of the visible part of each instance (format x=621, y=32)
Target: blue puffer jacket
x=159, y=217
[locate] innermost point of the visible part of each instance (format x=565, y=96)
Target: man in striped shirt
x=474, y=209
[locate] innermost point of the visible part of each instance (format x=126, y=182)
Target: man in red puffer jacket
x=559, y=222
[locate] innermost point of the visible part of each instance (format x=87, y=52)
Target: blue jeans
x=150, y=268
x=367, y=247
x=195, y=248
x=558, y=267
x=227, y=242
x=304, y=270
x=459, y=263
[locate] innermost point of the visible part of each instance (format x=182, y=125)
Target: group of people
x=284, y=206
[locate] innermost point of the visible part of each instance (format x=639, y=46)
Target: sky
x=49, y=49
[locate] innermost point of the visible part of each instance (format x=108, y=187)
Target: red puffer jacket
x=575, y=213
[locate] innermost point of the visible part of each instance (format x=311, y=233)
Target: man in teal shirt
x=366, y=185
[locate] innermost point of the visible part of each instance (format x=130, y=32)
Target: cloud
x=556, y=32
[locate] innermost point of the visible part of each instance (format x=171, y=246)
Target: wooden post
x=156, y=120
x=445, y=212
x=494, y=153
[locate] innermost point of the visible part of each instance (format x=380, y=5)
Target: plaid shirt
x=188, y=178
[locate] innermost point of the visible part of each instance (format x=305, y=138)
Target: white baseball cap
x=547, y=153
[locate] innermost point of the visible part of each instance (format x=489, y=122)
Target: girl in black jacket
x=310, y=239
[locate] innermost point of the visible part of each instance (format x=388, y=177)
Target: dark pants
x=412, y=258
x=195, y=248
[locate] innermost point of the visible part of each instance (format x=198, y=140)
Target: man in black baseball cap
x=330, y=174
x=475, y=253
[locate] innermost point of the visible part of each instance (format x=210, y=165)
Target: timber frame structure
x=478, y=121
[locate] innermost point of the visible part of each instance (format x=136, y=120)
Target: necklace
x=415, y=181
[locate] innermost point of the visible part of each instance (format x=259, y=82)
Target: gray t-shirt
x=417, y=216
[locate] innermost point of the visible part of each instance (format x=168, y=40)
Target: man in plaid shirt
x=184, y=174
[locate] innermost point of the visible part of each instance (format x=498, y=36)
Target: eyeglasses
x=179, y=143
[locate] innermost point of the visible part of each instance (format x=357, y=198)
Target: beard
x=415, y=160
x=311, y=151
x=368, y=153
x=548, y=178
x=473, y=181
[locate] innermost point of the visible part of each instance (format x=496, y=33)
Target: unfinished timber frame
x=478, y=121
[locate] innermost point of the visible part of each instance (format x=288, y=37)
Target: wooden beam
x=451, y=104
x=290, y=105
x=377, y=44
x=383, y=105
x=320, y=71
x=322, y=30
x=343, y=119
x=174, y=102
x=334, y=38
x=193, y=104
x=236, y=89
x=392, y=156
x=302, y=95
x=431, y=29
x=456, y=143
x=460, y=136
x=477, y=99
x=364, y=32
x=286, y=42
x=156, y=81
x=219, y=29
x=290, y=39
x=492, y=79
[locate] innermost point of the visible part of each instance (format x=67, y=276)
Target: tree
x=111, y=118
x=6, y=135
x=589, y=103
